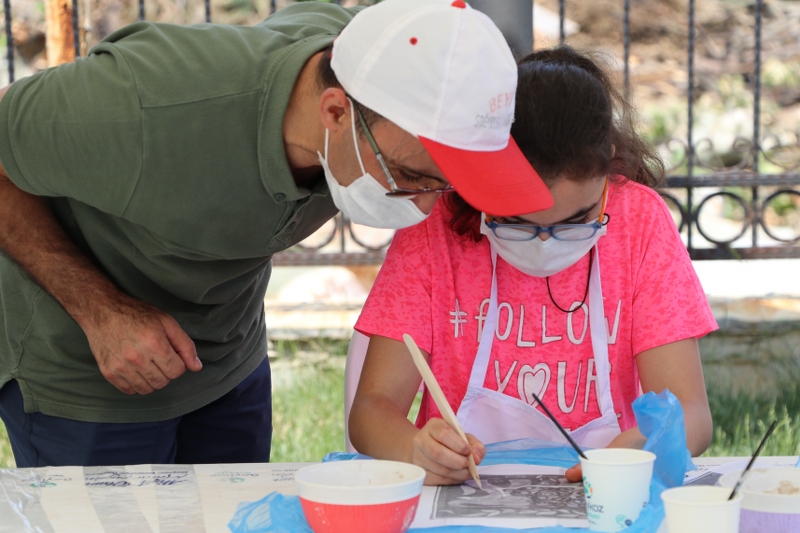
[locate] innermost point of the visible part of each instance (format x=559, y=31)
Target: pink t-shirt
x=435, y=286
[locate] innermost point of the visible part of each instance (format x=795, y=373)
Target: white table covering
x=164, y=498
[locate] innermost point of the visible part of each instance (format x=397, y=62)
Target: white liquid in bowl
x=771, y=490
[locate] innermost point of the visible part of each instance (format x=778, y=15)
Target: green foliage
x=783, y=205
x=661, y=122
x=243, y=7
x=740, y=421
x=777, y=74
x=308, y=414
x=296, y=349
x=6, y=457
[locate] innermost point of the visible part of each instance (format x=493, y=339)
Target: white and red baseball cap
x=443, y=72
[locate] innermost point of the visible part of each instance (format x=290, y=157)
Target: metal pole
x=208, y=10
x=9, y=41
x=562, y=15
x=514, y=18
x=627, y=45
x=76, y=29
x=141, y=10
x=345, y=226
x=690, y=140
x=757, y=117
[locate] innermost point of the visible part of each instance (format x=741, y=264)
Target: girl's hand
x=631, y=438
x=574, y=474
x=443, y=453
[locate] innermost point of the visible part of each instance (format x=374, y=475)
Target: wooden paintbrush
x=438, y=397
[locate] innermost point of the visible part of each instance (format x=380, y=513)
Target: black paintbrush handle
x=559, y=426
x=753, y=459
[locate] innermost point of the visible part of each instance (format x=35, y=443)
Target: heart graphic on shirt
x=533, y=381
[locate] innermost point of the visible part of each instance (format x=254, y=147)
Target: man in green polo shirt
x=145, y=188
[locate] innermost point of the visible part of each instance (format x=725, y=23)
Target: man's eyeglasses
x=560, y=232
x=395, y=190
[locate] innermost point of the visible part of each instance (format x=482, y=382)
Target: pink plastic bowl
x=363, y=496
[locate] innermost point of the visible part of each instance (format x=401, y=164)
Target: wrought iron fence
x=762, y=207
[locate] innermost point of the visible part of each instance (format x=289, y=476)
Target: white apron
x=493, y=416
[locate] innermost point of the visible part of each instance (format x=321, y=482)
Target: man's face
x=407, y=159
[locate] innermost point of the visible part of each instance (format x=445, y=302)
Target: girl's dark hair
x=568, y=116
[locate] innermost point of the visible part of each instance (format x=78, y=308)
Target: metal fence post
x=689, y=136
x=626, y=21
x=515, y=20
x=76, y=30
x=9, y=41
x=757, y=116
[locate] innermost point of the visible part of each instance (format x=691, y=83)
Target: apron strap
x=481, y=364
x=599, y=335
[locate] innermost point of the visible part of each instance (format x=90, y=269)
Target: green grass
x=308, y=413
x=308, y=416
x=741, y=421
x=6, y=457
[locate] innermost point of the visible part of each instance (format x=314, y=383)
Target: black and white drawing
x=512, y=496
x=709, y=478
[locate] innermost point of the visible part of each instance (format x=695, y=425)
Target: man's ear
x=334, y=109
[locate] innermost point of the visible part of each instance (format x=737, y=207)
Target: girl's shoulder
x=434, y=236
x=634, y=201
x=438, y=229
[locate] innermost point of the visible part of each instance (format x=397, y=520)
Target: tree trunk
x=60, y=35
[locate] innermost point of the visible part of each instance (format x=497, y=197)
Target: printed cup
x=616, y=484
x=701, y=509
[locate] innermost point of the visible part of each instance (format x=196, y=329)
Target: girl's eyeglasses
x=560, y=232
x=395, y=190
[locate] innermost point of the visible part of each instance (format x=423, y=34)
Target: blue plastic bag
x=257, y=517
x=344, y=456
x=660, y=419
x=530, y=451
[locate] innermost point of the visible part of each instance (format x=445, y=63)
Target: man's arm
x=137, y=347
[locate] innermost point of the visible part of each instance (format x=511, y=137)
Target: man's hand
x=139, y=348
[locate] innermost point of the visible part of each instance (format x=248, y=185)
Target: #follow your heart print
x=435, y=286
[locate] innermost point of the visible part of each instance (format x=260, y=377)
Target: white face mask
x=364, y=201
x=537, y=257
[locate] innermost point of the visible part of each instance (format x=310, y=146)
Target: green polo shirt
x=162, y=156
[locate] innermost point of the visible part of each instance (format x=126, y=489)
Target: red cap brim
x=501, y=183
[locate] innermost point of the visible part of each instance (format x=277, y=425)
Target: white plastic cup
x=616, y=484
x=701, y=509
